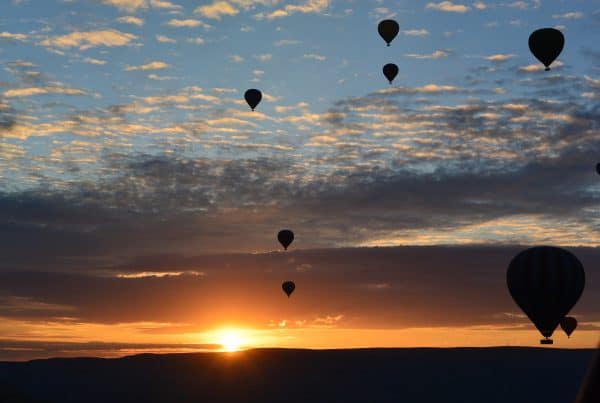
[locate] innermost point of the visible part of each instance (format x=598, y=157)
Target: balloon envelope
x=545, y=282
x=285, y=237
x=253, y=97
x=388, y=29
x=568, y=325
x=288, y=287
x=390, y=71
x=546, y=44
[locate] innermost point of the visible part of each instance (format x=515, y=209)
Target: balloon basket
x=546, y=341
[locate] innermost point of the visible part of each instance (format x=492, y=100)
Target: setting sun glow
x=231, y=340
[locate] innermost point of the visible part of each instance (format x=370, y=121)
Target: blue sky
x=90, y=86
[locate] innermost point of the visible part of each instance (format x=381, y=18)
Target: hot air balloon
x=288, y=287
x=545, y=282
x=568, y=324
x=546, y=44
x=253, y=97
x=285, y=237
x=390, y=71
x=388, y=29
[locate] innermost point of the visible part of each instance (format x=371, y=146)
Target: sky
x=140, y=197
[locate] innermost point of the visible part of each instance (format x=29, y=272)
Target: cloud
x=532, y=68
x=90, y=39
x=469, y=283
x=20, y=350
x=155, y=65
x=158, y=274
x=286, y=42
x=308, y=7
x=573, y=15
x=499, y=57
x=131, y=20
x=315, y=56
x=438, y=54
x=216, y=10
x=98, y=62
x=416, y=32
x=265, y=57
x=127, y=5
x=160, y=78
x=13, y=36
x=236, y=58
x=448, y=6
x=196, y=40
x=165, y=39
x=187, y=23
x=31, y=91
x=165, y=5
x=480, y=5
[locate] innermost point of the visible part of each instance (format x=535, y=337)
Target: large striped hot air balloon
x=545, y=282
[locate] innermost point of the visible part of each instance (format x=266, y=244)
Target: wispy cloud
x=13, y=36
x=131, y=20
x=31, y=91
x=309, y=6
x=499, y=57
x=416, y=32
x=315, y=56
x=165, y=39
x=438, y=54
x=98, y=62
x=286, y=42
x=90, y=39
x=532, y=68
x=187, y=23
x=155, y=65
x=165, y=5
x=573, y=15
x=236, y=58
x=127, y=5
x=265, y=57
x=448, y=6
x=217, y=10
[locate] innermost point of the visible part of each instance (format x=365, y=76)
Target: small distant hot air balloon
x=390, y=71
x=288, y=287
x=546, y=283
x=388, y=29
x=285, y=238
x=546, y=44
x=253, y=97
x=568, y=325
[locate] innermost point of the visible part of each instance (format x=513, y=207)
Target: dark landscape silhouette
x=466, y=375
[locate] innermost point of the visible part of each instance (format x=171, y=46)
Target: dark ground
x=465, y=375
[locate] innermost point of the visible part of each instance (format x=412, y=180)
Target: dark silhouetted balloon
x=288, y=287
x=568, y=324
x=390, y=71
x=388, y=29
x=285, y=238
x=545, y=282
x=546, y=44
x=598, y=168
x=253, y=97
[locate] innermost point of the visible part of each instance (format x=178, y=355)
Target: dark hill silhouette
x=466, y=375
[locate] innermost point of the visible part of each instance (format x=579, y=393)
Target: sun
x=231, y=340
